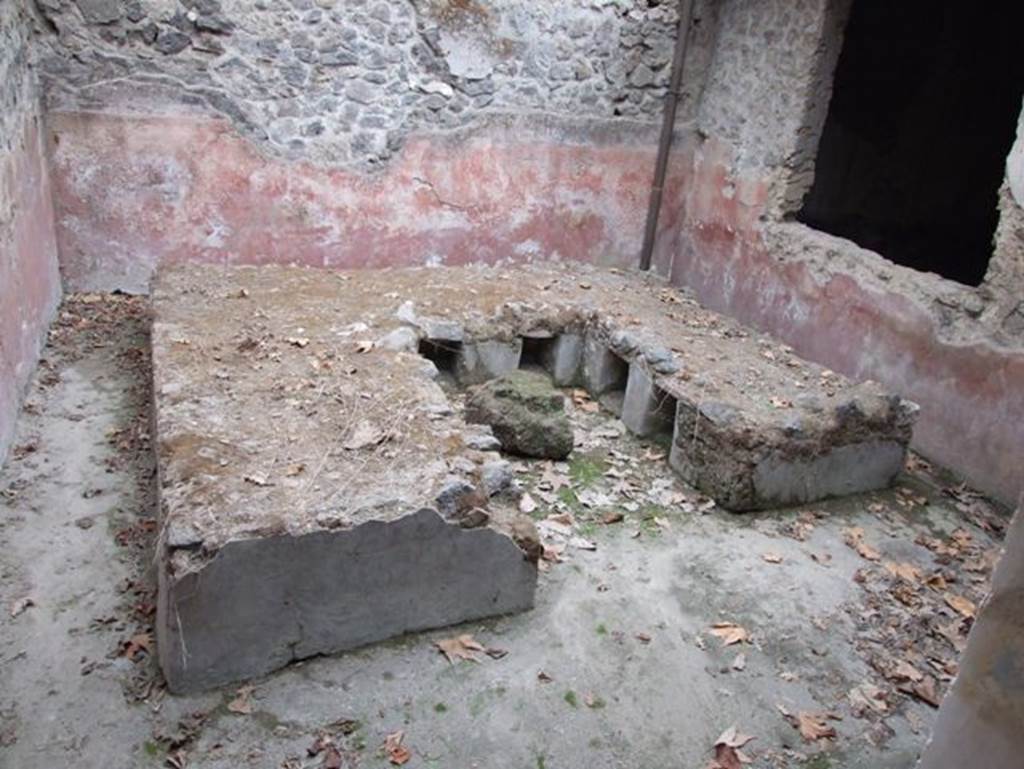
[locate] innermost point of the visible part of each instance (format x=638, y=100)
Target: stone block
x=343, y=514
x=603, y=370
x=848, y=469
x=564, y=359
x=486, y=359
x=262, y=603
x=646, y=409
x=747, y=463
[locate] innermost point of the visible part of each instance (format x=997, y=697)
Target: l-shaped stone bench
x=318, y=492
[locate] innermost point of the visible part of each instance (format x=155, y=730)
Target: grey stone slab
x=602, y=368
x=479, y=361
x=646, y=409
x=848, y=469
x=565, y=358
x=261, y=603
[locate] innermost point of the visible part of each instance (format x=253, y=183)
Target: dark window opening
x=441, y=353
x=537, y=352
x=613, y=386
x=923, y=113
x=664, y=417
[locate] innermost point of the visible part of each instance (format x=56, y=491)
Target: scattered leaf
x=963, y=605
x=814, y=726
x=462, y=647
x=868, y=697
x=727, y=750
x=396, y=752
x=20, y=605
x=772, y=557
x=854, y=537
x=527, y=504
x=905, y=571
x=241, y=703
x=926, y=691
x=140, y=642
x=730, y=633
x=582, y=400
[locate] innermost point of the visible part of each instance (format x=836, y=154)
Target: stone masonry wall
x=957, y=350
x=340, y=82
x=357, y=133
x=29, y=281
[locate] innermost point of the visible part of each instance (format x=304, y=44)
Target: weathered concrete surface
x=70, y=697
x=262, y=603
x=303, y=475
x=283, y=432
x=29, y=280
x=132, y=192
x=979, y=722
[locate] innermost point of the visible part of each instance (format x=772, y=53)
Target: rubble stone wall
x=957, y=350
x=381, y=132
x=29, y=280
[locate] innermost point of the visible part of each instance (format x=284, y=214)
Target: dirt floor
x=825, y=633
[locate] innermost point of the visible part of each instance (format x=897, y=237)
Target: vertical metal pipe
x=667, y=127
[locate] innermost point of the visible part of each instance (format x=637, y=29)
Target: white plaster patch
x=467, y=56
x=527, y=248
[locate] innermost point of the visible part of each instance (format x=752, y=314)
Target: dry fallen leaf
x=730, y=633
x=814, y=726
x=527, y=504
x=904, y=671
x=772, y=557
x=462, y=647
x=20, y=605
x=582, y=400
x=140, y=642
x=612, y=517
x=241, y=704
x=727, y=750
x=926, y=691
x=854, y=537
x=867, y=697
x=397, y=753
x=963, y=605
x=905, y=571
